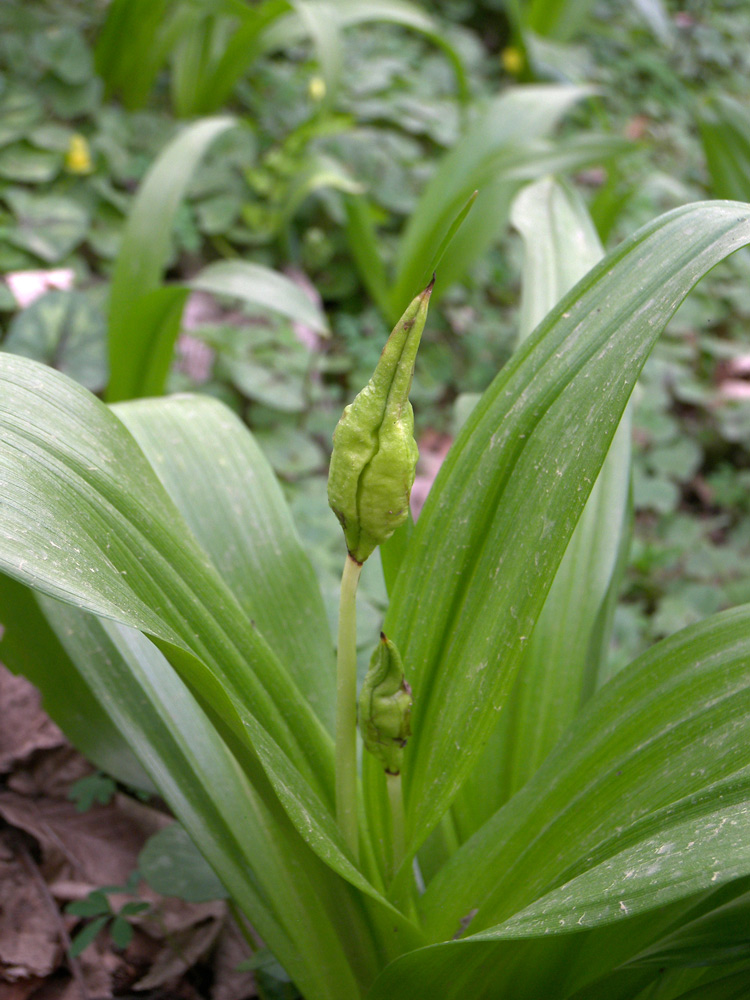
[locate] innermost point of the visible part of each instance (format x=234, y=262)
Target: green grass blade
x=496, y=524
x=143, y=255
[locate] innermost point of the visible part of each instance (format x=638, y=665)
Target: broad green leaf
x=643, y=801
x=734, y=987
x=65, y=330
x=719, y=936
x=260, y=286
x=48, y=226
x=28, y=646
x=85, y=519
x=508, y=497
x=157, y=317
x=225, y=489
x=509, y=123
x=144, y=252
x=173, y=866
x=21, y=162
x=408, y=15
x=240, y=829
x=560, y=245
x=558, y=19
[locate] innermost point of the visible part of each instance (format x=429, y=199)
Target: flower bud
x=385, y=707
x=374, y=452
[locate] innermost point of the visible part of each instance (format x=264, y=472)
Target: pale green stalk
x=346, y=707
x=396, y=799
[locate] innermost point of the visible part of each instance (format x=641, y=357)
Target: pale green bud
x=374, y=452
x=385, y=707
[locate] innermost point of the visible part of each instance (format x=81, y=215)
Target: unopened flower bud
x=385, y=707
x=374, y=452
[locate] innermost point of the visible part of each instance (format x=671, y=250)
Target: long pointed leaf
x=225, y=489
x=84, y=518
x=560, y=245
x=144, y=253
x=248, y=841
x=642, y=802
x=513, y=120
x=507, y=499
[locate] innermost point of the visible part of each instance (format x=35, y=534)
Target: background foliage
x=341, y=168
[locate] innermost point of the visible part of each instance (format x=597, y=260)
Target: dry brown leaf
x=29, y=928
x=231, y=949
x=26, y=728
x=50, y=773
x=99, y=847
x=181, y=952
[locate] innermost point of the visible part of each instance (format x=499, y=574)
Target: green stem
x=346, y=708
x=396, y=799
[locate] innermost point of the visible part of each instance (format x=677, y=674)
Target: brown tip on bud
x=431, y=285
x=383, y=637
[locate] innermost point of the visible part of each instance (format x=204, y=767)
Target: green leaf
x=130, y=69
x=27, y=165
x=85, y=937
x=86, y=519
x=143, y=255
x=65, y=330
x=642, y=802
x=560, y=245
x=93, y=905
x=261, y=286
x=173, y=866
x=500, y=133
x=218, y=477
x=724, y=125
x=49, y=226
x=734, y=987
x=28, y=646
x=558, y=19
x=121, y=932
x=512, y=488
x=239, y=827
x=94, y=788
x=717, y=937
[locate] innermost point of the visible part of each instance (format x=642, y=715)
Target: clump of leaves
x=100, y=916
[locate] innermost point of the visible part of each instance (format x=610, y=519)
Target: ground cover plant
x=160, y=519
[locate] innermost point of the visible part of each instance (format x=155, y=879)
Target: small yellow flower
x=78, y=157
x=512, y=60
x=316, y=88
